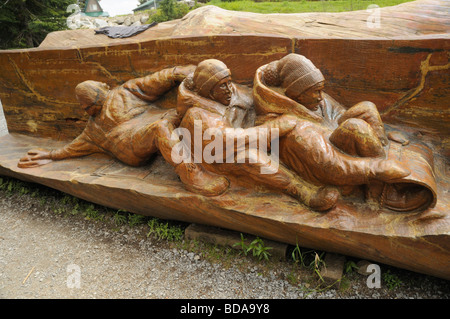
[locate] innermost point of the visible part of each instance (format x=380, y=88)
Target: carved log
x=402, y=68
x=416, y=241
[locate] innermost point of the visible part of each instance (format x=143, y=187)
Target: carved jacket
x=126, y=108
x=238, y=114
x=270, y=101
x=417, y=158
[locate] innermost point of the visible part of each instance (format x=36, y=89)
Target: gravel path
x=48, y=255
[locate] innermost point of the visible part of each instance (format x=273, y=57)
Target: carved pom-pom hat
x=207, y=74
x=298, y=74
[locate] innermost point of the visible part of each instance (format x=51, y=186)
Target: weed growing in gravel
x=392, y=281
x=350, y=266
x=120, y=218
x=91, y=213
x=135, y=219
x=313, y=262
x=164, y=231
x=309, y=259
x=257, y=248
x=12, y=186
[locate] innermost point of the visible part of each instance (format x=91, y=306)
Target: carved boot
x=197, y=180
x=318, y=198
x=386, y=170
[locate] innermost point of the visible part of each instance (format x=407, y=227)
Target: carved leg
x=157, y=136
x=356, y=137
x=368, y=112
x=307, y=151
x=249, y=165
x=316, y=197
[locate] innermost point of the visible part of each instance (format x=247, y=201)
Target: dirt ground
x=44, y=254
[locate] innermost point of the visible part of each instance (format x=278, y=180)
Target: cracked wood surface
x=403, y=70
x=406, y=79
x=416, y=241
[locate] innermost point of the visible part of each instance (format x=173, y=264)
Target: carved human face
x=312, y=97
x=222, y=91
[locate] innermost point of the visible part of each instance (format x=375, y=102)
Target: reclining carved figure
x=209, y=96
x=331, y=145
x=323, y=146
x=124, y=124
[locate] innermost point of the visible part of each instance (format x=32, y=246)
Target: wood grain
x=414, y=241
x=403, y=68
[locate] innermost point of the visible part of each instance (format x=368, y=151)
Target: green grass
x=256, y=247
x=302, y=6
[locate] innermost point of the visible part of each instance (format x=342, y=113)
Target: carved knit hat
x=207, y=74
x=297, y=74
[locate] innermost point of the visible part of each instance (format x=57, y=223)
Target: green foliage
x=12, y=186
x=242, y=244
x=164, y=231
x=169, y=10
x=257, y=248
x=391, y=280
x=309, y=259
x=135, y=219
x=120, y=218
x=25, y=23
x=350, y=266
x=91, y=213
x=282, y=6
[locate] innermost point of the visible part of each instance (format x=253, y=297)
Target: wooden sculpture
x=124, y=125
x=321, y=141
x=332, y=145
x=210, y=97
x=359, y=178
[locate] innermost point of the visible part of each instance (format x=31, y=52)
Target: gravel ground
x=49, y=255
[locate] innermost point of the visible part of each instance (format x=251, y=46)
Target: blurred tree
x=81, y=4
x=25, y=23
x=168, y=8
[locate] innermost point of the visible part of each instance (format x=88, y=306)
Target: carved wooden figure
x=211, y=98
x=359, y=178
x=123, y=124
x=331, y=145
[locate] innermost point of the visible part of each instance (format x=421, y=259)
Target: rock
x=229, y=238
x=362, y=267
x=120, y=19
x=128, y=21
x=333, y=269
x=99, y=23
x=144, y=18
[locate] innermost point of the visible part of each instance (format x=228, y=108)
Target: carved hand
x=181, y=72
x=285, y=123
x=35, y=158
